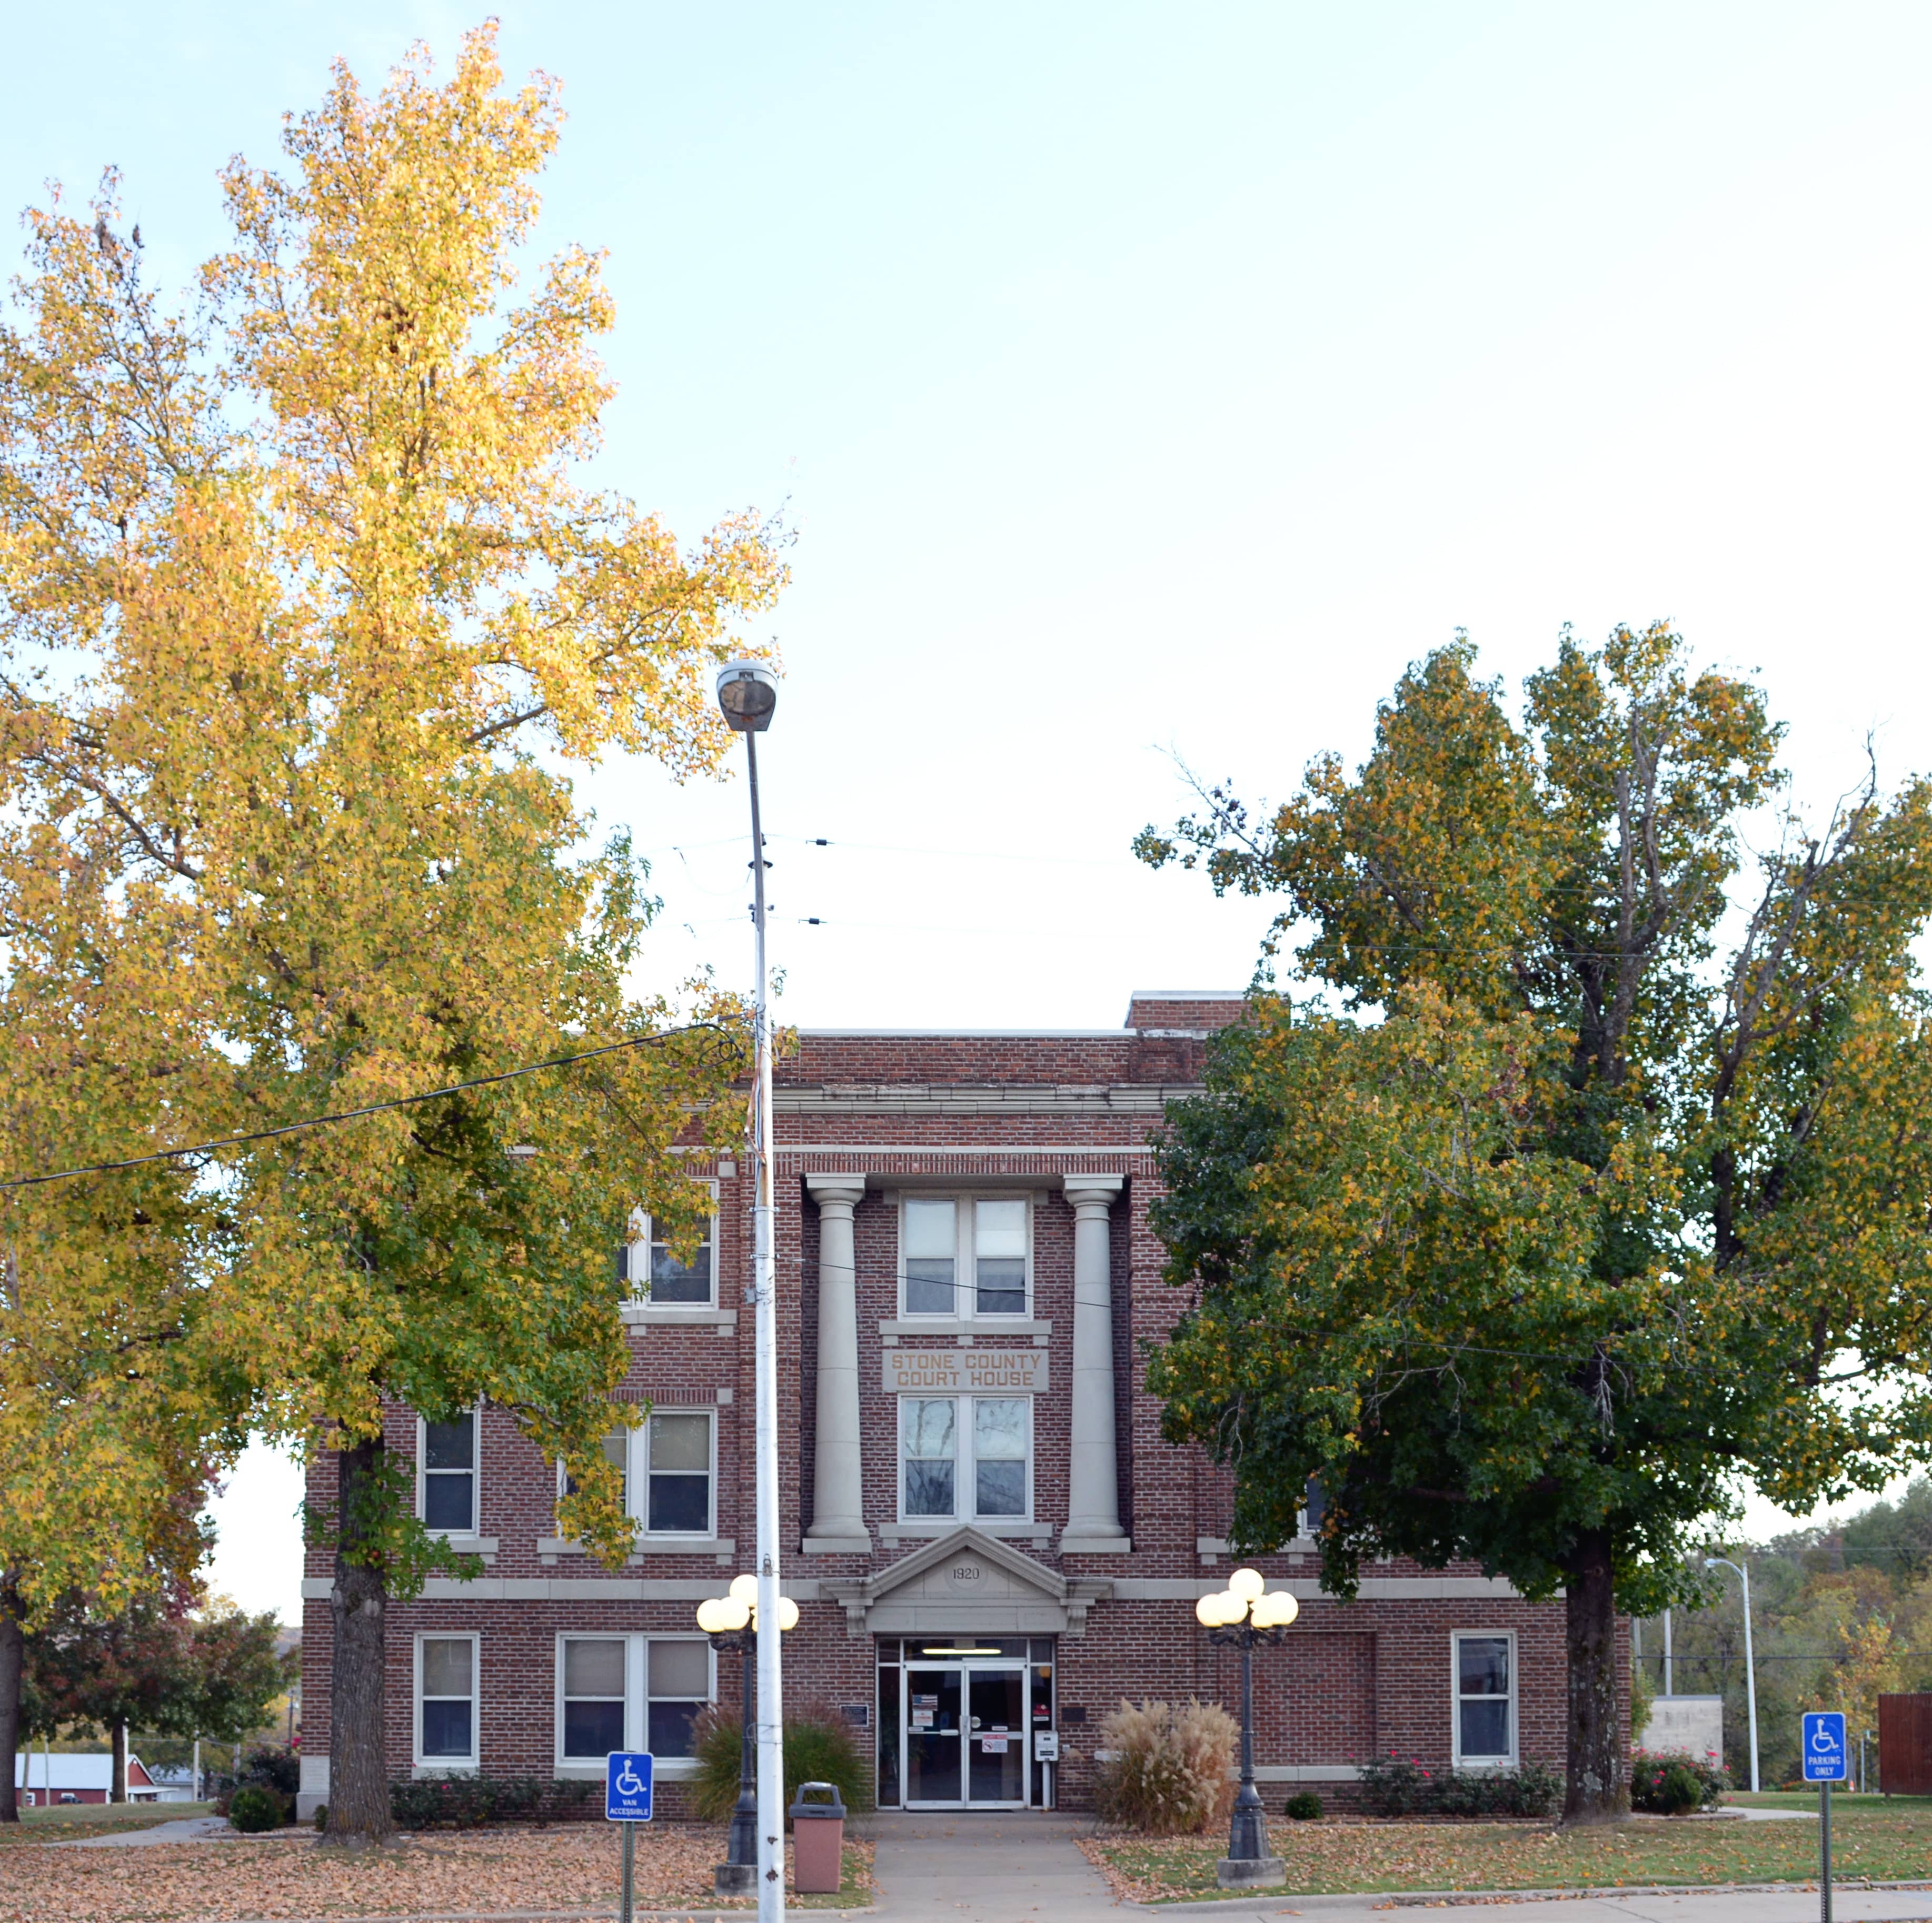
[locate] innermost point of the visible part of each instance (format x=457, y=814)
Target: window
x=678, y=1472
x=997, y=1430
x=446, y=1699
x=662, y=1281
x=617, y=1454
x=593, y=1696
x=1485, y=1721
x=447, y=1451
x=678, y=1684
x=629, y=1692
x=965, y=1257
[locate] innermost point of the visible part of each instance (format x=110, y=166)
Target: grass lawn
x=573, y=1867
x=68, y=1822
x=1886, y=1839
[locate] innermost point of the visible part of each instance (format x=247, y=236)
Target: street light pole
x=731, y=1622
x=1244, y=1614
x=748, y=692
x=1750, y=1671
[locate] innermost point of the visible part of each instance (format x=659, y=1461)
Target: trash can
x=817, y=1839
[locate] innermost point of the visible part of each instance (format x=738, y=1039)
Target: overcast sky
x=1147, y=381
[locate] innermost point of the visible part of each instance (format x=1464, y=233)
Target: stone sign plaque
x=965, y=1372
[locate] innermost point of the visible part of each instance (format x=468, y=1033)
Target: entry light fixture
x=1247, y=1602
x=953, y=1649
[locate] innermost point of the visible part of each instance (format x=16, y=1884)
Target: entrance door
x=933, y=1732
x=996, y=1736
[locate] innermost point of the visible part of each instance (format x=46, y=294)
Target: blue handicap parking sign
x=627, y=1785
x=1825, y=1747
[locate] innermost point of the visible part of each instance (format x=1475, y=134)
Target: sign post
x=1825, y=1763
x=627, y=1800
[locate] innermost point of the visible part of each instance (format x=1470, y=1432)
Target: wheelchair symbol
x=629, y=1783
x=1824, y=1742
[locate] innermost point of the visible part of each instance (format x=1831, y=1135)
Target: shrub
x=255, y=1807
x=1304, y=1806
x=1166, y=1768
x=1671, y=1782
x=469, y=1802
x=820, y=1746
x=275, y=1768
x=321, y=1815
x=1395, y=1788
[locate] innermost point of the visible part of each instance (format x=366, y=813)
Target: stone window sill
x=667, y=1769
x=465, y=1544
x=646, y=1545
x=443, y=1772
x=995, y=1328
x=641, y=1316
x=913, y=1532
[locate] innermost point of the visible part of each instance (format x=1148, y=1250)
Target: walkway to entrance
x=967, y=1867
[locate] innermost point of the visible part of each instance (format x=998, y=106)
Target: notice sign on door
x=965, y=1372
x=992, y=1745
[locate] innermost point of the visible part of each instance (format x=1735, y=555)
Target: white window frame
x=638, y=1262
x=630, y=1480
x=963, y=1461
x=445, y=1765
x=637, y=1703
x=1456, y=1638
x=475, y=1528
x=965, y=1281
x=638, y=1478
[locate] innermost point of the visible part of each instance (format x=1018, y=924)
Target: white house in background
x=42, y=1778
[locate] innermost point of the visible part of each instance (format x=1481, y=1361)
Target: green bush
x=1671, y=1782
x=1304, y=1806
x=254, y=1807
x=820, y=1746
x=321, y=1817
x=1164, y=1768
x=1395, y=1788
x=469, y=1802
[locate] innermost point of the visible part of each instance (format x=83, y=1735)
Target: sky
x=1145, y=386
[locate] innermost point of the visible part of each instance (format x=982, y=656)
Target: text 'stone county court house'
x=987, y=1538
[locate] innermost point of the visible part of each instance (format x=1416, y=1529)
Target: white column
x=1093, y=1499
x=838, y=1506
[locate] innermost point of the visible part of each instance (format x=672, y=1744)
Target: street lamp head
x=747, y=691
x=1275, y=1610
x=788, y=1613
x=1247, y=1583
x=711, y=1615
x=744, y=1589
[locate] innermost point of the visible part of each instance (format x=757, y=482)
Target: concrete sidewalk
x=1027, y=1868
x=181, y=1829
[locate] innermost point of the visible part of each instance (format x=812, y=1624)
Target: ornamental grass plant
x=1166, y=1769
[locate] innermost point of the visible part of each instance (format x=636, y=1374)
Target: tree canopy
x=308, y=607
x=1589, y=1177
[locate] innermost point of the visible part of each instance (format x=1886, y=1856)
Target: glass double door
x=966, y=1740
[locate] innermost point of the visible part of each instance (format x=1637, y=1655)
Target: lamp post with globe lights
x=1246, y=1613
x=731, y=1623
x=747, y=693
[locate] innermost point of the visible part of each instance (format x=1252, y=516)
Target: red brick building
x=987, y=1538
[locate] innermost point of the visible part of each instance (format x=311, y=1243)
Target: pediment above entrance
x=970, y=1581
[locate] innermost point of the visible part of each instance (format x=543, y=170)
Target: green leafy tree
x=1582, y=1184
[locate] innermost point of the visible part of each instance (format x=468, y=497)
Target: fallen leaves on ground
x=286, y=1874
x=1886, y=1844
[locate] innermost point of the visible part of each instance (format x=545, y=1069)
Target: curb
x=1449, y=1899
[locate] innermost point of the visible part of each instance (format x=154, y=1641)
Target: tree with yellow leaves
x=307, y=601
x=1604, y=1190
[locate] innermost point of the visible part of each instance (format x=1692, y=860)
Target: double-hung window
x=446, y=1454
x=968, y=1458
x=1485, y=1705
x=662, y=1278
x=446, y=1719
x=617, y=1454
x=679, y=1471
x=965, y=1256
x=629, y=1692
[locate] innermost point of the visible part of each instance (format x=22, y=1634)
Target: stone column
x=837, y=1507
x=1093, y=1500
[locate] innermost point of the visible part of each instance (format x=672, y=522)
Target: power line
x=356, y=1114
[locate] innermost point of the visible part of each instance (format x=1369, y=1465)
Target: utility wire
x=355, y=1114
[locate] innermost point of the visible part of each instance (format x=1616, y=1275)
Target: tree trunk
x=117, y=1791
x=1597, y=1790
x=358, y=1769
x=12, y=1664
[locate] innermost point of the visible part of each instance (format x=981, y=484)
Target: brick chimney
x=1184, y=1011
